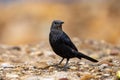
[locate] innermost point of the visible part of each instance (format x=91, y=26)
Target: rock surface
x=36, y=62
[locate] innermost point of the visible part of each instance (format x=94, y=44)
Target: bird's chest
x=55, y=40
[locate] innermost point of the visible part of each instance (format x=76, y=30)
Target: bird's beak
x=62, y=22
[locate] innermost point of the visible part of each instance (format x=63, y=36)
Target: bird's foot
x=65, y=68
x=57, y=66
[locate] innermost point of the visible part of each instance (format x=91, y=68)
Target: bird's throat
x=60, y=27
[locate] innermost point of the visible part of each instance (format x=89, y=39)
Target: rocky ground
x=37, y=62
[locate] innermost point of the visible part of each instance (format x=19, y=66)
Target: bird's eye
x=55, y=23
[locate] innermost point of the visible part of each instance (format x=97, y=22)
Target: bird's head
x=57, y=24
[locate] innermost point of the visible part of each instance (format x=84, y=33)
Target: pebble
x=37, y=53
x=41, y=65
x=103, y=66
x=73, y=67
x=106, y=75
x=87, y=76
x=51, y=68
x=118, y=74
x=9, y=75
x=63, y=79
x=7, y=65
x=114, y=52
x=82, y=63
x=38, y=78
x=15, y=48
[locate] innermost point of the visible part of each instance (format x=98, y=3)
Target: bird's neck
x=56, y=28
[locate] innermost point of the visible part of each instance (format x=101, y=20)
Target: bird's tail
x=81, y=55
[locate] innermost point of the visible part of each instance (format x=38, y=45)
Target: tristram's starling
x=62, y=44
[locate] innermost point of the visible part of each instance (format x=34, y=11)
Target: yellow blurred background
x=29, y=21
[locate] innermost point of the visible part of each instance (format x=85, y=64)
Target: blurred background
x=28, y=21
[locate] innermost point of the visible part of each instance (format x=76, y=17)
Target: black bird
x=62, y=44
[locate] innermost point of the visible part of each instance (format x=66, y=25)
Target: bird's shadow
x=60, y=67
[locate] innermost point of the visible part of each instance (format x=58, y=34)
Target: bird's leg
x=61, y=61
x=65, y=66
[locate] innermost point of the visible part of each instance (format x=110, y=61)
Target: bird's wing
x=67, y=41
